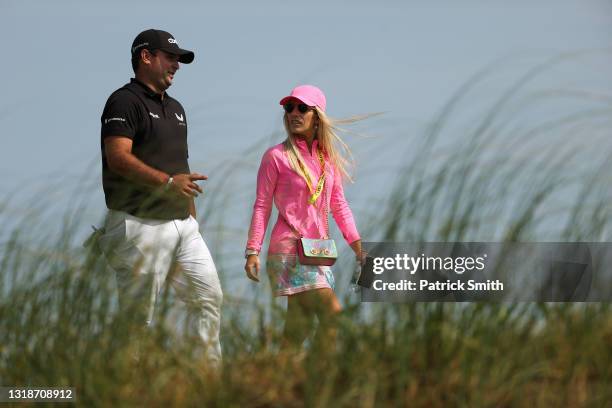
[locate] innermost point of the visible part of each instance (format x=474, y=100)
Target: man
x=151, y=233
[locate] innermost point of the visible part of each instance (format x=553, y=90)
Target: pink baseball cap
x=309, y=94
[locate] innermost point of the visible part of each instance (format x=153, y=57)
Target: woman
x=303, y=176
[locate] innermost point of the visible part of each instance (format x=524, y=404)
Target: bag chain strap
x=325, y=213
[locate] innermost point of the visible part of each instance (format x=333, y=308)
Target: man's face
x=161, y=67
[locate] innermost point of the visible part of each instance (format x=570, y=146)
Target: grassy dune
x=507, y=175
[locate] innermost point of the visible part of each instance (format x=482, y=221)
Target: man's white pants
x=142, y=251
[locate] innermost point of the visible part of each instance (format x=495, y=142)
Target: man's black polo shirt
x=158, y=129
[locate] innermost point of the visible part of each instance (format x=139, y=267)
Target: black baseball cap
x=160, y=40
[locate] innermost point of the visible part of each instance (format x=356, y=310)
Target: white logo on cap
x=171, y=40
x=179, y=117
x=134, y=48
x=154, y=115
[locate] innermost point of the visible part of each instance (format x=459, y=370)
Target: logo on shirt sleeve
x=113, y=119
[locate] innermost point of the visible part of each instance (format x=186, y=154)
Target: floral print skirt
x=288, y=276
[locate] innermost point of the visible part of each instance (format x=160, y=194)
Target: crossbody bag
x=316, y=251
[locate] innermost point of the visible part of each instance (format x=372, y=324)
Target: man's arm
x=118, y=150
x=120, y=160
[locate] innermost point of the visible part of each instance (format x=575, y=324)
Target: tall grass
x=505, y=176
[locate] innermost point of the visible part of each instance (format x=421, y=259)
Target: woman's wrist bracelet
x=249, y=252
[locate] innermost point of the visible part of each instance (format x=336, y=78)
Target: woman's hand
x=359, y=254
x=251, y=267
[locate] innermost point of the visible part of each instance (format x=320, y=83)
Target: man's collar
x=148, y=90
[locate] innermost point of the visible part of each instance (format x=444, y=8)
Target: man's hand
x=184, y=184
x=120, y=159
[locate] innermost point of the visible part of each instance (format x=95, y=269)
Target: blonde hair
x=338, y=153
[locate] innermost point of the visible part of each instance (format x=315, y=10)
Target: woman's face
x=300, y=123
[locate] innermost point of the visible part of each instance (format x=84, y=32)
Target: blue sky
x=61, y=60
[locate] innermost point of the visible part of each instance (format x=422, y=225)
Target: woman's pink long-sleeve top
x=277, y=181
